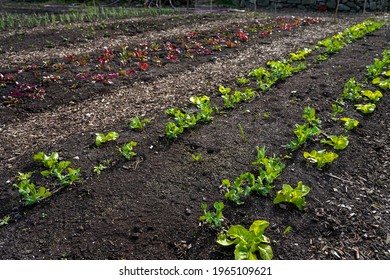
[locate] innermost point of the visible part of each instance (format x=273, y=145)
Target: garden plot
x=124, y=186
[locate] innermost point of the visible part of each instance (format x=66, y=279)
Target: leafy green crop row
x=11, y=20
x=250, y=244
x=59, y=169
x=265, y=78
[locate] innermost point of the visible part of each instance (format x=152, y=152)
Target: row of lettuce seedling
x=251, y=242
x=265, y=78
x=59, y=169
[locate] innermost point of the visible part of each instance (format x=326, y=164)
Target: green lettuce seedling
x=270, y=168
x=376, y=69
x=349, y=123
x=250, y=244
x=47, y=161
x=338, y=142
x=309, y=114
x=241, y=187
x=28, y=190
x=224, y=90
x=336, y=109
x=262, y=185
x=242, y=81
x=292, y=195
x=4, y=221
x=172, y=131
x=300, y=55
x=366, y=108
x=127, y=150
x=203, y=103
x=212, y=219
x=303, y=134
x=183, y=120
x=383, y=84
x=196, y=157
x=101, y=138
x=102, y=166
x=321, y=158
x=352, y=90
x=57, y=168
x=373, y=96
x=264, y=78
x=138, y=124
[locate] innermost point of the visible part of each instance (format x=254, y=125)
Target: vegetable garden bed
x=126, y=184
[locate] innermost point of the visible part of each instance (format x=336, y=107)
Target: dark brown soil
x=149, y=208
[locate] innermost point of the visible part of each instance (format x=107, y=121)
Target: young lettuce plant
x=352, y=90
x=269, y=169
x=349, y=123
x=226, y=97
x=373, y=96
x=237, y=97
x=138, y=124
x=321, y=158
x=197, y=157
x=382, y=83
x=299, y=55
x=309, y=114
x=172, y=131
x=57, y=168
x=337, y=142
x=5, y=220
x=265, y=79
x=282, y=70
x=182, y=120
x=336, y=109
x=307, y=131
x=376, y=69
x=241, y=187
x=127, y=150
x=212, y=219
x=28, y=190
x=101, y=138
x=203, y=103
x=292, y=195
x=366, y=108
x=242, y=81
x=303, y=134
x=250, y=244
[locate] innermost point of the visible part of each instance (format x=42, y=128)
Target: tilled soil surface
x=149, y=207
